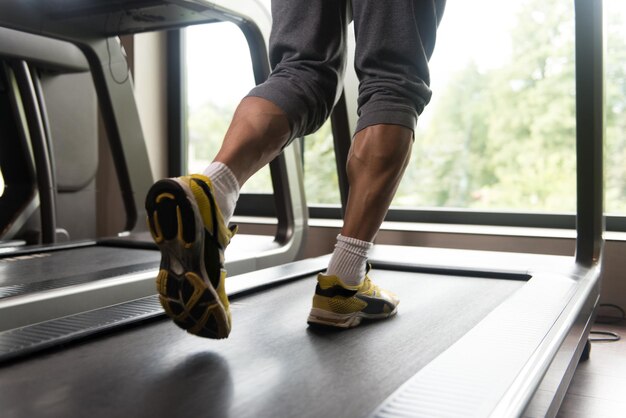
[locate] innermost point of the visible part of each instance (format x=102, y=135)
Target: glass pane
x=320, y=169
x=615, y=84
x=499, y=133
x=218, y=75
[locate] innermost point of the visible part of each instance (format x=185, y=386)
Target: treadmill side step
x=26, y=340
x=20, y=342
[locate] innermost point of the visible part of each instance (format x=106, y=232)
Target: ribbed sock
x=349, y=260
x=226, y=188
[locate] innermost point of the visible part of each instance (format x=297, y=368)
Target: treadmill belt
x=272, y=365
x=80, y=265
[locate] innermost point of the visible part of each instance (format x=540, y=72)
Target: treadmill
x=59, y=278
x=477, y=333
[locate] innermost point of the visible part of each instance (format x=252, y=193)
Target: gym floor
x=598, y=388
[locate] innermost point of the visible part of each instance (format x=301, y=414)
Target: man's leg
x=307, y=54
x=344, y=295
x=393, y=90
x=188, y=216
x=377, y=160
x=257, y=134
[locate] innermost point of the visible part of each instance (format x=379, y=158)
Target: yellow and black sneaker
x=339, y=305
x=189, y=229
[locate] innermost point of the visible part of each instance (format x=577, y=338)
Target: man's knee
x=382, y=146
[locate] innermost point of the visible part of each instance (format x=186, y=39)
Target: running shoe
x=189, y=229
x=339, y=305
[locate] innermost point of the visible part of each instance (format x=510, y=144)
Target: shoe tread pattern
x=186, y=290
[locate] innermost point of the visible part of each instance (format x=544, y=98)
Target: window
x=218, y=75
x=615, y=107
x=320, y=169
x=499, y=133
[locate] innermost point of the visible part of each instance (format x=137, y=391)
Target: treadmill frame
x=93, y=31
x=519, y=360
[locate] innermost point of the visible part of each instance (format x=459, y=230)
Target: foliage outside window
x=502, y=133
x=615, y=108
x=320, y=169
x=219, y=74
x=499, y=133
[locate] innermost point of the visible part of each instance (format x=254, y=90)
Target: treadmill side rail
x=496, y=368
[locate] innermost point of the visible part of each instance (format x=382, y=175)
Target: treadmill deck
x=272, y=365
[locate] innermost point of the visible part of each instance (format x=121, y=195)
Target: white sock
x=349, y=260
x=226, y=188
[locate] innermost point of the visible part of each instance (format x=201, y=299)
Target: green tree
x=504, y=138
x=320, y=170
x=615, y=72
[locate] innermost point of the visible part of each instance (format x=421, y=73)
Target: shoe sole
x=350, y=320
x=185, y=290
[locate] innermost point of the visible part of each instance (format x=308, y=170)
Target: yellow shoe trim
x=156, y=234
x=161, y=281
x=204, y=205
x=323, y=317
x=198, y=289
x=157, y=227
x=164, y=196
x=326, y=282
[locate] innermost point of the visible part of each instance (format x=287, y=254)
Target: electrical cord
x=107, y=40
x=608, y=336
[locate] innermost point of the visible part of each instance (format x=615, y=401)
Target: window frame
x=263, y=205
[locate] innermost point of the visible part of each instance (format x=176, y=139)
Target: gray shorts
x=394, y=41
